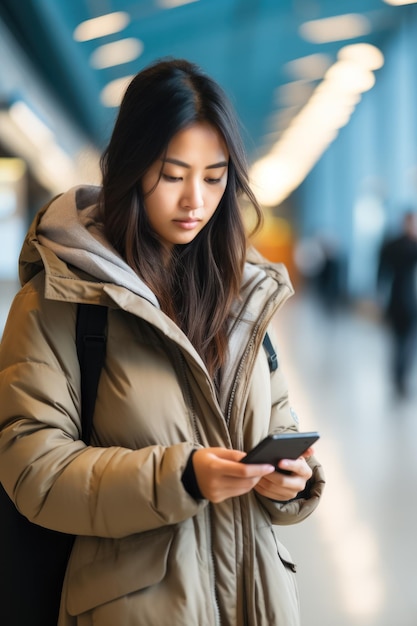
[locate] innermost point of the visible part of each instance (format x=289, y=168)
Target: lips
x=187, y=224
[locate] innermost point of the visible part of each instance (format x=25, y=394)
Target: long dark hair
x=205, y=275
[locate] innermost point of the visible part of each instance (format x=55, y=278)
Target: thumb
x=228, y=455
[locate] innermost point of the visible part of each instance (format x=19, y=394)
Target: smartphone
x=281, y=446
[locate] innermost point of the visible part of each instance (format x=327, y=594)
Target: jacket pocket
x=136, y=563
x=284, y=555
x=275, y=587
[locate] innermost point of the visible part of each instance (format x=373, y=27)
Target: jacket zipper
x=213, y=571
x=261, y=323
x=255, y=331
x=265, y=315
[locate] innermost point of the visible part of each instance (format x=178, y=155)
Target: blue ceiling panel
x=244, y=44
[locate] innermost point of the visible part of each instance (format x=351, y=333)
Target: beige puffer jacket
x=147, y=553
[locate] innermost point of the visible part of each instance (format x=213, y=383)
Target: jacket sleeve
x=52, y=476
x=284, y=418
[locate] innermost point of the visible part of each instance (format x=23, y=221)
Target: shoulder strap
x=271, y=354
x=91, y=352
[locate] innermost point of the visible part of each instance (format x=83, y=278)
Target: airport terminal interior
x=327, y=95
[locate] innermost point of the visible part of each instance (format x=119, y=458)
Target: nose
x=193, y=195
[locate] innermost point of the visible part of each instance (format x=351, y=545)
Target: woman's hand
x=279, y=486
x=220, y=475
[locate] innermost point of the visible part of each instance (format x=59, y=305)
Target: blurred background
x=326, y=92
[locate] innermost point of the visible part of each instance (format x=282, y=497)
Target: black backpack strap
x=91, y=352
x=271, y=354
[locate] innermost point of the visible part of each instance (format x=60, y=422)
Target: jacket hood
x=70, y=227
x=67, y=237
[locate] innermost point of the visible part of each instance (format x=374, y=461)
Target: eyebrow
x=182, y=164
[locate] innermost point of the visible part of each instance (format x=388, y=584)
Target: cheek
x=219, y=196
x=216, y=194
x=157, y=203
x=214, y=207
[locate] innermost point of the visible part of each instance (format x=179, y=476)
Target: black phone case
x=280, y=446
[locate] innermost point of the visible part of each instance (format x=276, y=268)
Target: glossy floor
x=357, y=554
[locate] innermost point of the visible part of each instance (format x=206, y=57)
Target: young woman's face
x=192, y=183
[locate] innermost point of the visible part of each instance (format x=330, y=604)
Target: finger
x=280, y=486
x=297, y=467
x=308, y=453
x=283, y=494
x=253, y=470
x=228, y=454
x=230, y=465
x=243, y=470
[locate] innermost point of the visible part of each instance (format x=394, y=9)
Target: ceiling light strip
x=101, y=26
x=311, y=131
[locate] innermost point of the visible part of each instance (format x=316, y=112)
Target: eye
x=213, y=181
x=170, y=179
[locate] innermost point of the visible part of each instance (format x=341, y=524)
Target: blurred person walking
x=397, y=278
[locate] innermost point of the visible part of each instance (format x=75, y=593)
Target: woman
x=171, y=527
